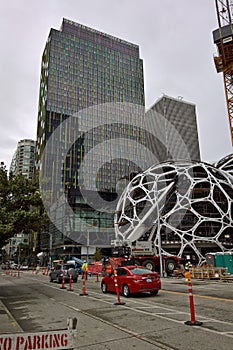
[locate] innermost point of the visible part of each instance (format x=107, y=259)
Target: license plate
x=149, y=280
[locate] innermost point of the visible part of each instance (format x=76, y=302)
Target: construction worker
x=84, y=269
x=187, y=266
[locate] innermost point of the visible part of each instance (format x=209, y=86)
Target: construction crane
x=223, y=38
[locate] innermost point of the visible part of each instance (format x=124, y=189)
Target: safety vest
x=84, y=266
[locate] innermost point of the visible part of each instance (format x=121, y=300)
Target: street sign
x=49, y=340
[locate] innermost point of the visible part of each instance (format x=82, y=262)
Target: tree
x=98, y=254
x=21, y=207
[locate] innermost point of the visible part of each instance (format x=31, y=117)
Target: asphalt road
x=144, y=322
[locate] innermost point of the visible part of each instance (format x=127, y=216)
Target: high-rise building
x=23, y=160
x=81, y=69
x=173, y=130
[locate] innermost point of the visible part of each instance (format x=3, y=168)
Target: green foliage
x=21, y=207
x=98, y=254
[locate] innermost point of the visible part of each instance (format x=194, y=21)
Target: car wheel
x=125, y=290
x=154, y=292
x=51, y=280
x=149, y=264
x=170, y=266
x=104, y=287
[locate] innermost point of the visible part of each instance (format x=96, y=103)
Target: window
x=122, y=272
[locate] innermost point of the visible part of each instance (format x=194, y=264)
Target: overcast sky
x=176, y=45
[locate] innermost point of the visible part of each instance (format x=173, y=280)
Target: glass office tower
x=81, y=69
x=174, y=123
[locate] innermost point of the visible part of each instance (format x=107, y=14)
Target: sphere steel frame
x=198, y=208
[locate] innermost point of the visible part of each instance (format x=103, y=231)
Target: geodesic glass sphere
x=184, y=202
x=226, y=164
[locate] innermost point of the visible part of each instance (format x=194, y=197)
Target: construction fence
x=197, y=272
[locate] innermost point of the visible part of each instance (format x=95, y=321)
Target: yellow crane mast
x=223, y=38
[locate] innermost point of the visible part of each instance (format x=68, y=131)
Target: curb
x=7, y=322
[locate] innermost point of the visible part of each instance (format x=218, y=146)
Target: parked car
x=24, y=266
x=132, y=279
x=56, y=262
x=5, y=266
x=14, y=266
x=63, y=270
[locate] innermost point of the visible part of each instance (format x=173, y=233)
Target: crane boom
x=223, y=12
x=223, y=38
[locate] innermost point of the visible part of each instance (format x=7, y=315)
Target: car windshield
x=140, y=271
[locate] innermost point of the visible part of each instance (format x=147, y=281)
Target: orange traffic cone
x=84, y=284
x=119, y=302
x=70, y=283
x=63, y=282
x=97, y=277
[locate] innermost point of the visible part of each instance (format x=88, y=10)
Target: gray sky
x=176, y=45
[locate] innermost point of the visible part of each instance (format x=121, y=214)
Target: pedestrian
x=104, y=265
x=132, y=260
x=84, y=269
x=37, y=268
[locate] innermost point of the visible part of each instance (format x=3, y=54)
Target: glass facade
x=174, y=121
x=81, y=69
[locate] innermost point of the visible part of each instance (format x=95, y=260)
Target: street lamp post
x=88, y=242
x=19, y=257
x=159, y=234
x=159, y=245
x=50, y=247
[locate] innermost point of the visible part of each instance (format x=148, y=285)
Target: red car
x=132, y=279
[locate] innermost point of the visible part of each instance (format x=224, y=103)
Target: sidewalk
x=7, y=323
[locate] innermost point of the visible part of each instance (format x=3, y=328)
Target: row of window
x=89, y=37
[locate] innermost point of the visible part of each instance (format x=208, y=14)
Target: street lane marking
x=123, y=329
x=198, y=295
x=158, y=315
